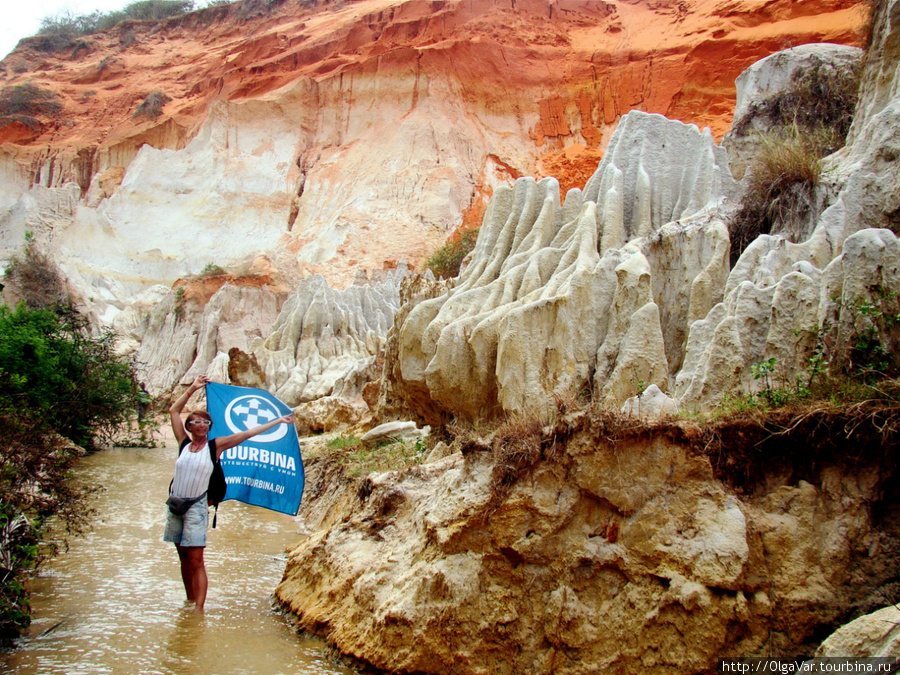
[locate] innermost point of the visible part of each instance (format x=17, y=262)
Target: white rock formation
x=780, y=296
x=651, y=403
x=555, y=295
x=324, y=341
x=179, y=342
x=395, y=431
x=771, y=77
x=654, y=172
x=627, y=285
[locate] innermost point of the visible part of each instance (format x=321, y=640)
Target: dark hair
x=201, y=414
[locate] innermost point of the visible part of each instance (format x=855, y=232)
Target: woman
x=192, y=471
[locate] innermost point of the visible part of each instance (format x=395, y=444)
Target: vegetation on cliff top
x=62, y=30
x=24, y=103
x=67, y=24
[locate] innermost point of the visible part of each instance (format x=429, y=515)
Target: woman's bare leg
x=186, y=576
x=198, y=575
x=193, y=574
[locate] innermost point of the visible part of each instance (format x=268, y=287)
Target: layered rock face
x=628, y=556
x=338, y=136
x=627, y=284
x=608, y=549
x=555, y=296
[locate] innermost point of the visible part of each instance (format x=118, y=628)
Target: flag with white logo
x=265, y=470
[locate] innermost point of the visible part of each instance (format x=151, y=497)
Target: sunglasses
x=205, y=423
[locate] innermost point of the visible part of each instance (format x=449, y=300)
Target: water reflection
x=114, y=602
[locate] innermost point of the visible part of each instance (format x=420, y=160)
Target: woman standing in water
x=193, y=469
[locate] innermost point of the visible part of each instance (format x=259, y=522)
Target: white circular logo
x=246, y=412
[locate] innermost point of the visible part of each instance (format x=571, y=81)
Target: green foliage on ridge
x=447, y=260
x=67, y=23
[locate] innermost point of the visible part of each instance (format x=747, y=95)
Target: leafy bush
x=52, y=365
x=856, y=360
x=57, y=381
x=211, y=270
x=152, y=106
x=34, y=485
x=343, y=442
x=23, y=102
x=180, y=302
x=871, y=349
x=360, y=460
x=446, y=261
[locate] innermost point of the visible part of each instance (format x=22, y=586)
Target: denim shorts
x=189, y=529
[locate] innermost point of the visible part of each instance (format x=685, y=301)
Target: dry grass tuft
x=25, y=103
x=780, y=192
x=35, y=278
x=807, y=121
x=152, y=106
x=517, y=448
x=820, y=100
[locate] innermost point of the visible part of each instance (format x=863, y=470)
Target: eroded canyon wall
x=585, y=543
x=615, y=551
x=333, y=136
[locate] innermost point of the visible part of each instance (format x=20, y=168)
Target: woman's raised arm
x=225, y=442
x=175, y=411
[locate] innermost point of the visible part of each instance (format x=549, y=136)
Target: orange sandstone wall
x=572, y=66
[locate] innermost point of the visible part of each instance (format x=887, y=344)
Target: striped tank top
x=192, y=470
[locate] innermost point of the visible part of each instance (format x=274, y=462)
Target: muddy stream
x=114, y=602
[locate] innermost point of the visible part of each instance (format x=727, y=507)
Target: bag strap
x=181, y=447
x=215, y=460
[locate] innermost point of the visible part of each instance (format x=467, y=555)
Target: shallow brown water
x=114, y=602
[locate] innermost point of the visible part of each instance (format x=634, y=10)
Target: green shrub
x=396, y=455
x=57, y=381
x=180, y=303
x=35, y=485
x=24, y=102
x=446, y=261
x=854, y=361
x=343, y=442
x=53, y=365
x=873, y=339
x=211, y=270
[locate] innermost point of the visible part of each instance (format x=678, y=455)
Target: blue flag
x=265, y=470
